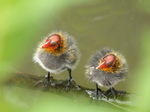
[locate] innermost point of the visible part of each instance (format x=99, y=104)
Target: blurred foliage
x=120, y=24
x=143, y=73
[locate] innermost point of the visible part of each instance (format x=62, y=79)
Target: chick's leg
x=98, y=92
x=45, y=82
x=71, y=81
x=48, y=80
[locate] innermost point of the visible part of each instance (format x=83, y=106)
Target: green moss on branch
x=23, y=80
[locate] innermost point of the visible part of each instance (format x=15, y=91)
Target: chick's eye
x=53, y=44
x=109, y=66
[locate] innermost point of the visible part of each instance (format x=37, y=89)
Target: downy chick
x=106, y=68
x=57, y=52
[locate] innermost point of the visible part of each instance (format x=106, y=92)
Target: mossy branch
x=23, y=80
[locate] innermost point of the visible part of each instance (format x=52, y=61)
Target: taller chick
x=57, y=52
x=106, y=68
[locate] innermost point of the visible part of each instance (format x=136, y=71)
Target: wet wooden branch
x=28, y=81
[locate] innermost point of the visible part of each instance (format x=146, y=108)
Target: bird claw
x=46, y=82
x=113, y=93
x=72, y=83
x=98, y=95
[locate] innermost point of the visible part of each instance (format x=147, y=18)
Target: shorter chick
x=106, y=68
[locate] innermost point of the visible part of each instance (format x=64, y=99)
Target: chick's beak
x=102, y=65
x=46, y=45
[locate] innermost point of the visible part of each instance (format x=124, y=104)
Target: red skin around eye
x=53, y=38
x=108, y=60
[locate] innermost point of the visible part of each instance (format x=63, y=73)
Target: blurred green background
x=123, y=25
